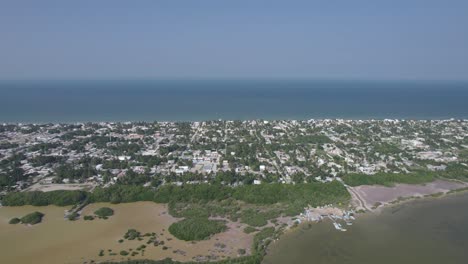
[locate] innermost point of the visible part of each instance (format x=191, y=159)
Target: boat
x=338, y=226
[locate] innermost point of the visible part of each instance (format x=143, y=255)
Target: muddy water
x=57, y=240
x=429, y=231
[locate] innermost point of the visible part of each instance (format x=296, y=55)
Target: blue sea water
x=188, y=100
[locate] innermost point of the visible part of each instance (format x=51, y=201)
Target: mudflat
x=371, y=194
x=58, y=240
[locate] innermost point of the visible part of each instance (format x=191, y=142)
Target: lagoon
x=428, y=231
x=57, y=240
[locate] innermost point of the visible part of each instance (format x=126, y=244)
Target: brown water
x=57, y=240
x=429, y=231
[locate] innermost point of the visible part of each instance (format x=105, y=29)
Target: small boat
x=337, y=226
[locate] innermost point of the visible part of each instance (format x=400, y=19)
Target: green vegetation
x=69, y=172
x=453, y=171
x=256, y=259
x=141, y=247
x=261, y=239
x=256, y=218
x=8, y=145
x=122, y=194
x=196, y=228
x=301, y=195
x=458, y=190
x=123, y=253
x=249, y=230
x=32, y=218
x=197, y=202
x=376, y=205
x=88, y=217
x=298, y=195
x=104, y=212
x=386, y=148
x=14, y=221
x=36, y=198
x=241, y=251
x=312, y=139
x=132, y=234
x=388, y=179
x=73, y=216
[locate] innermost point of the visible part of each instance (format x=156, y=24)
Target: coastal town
x=83, y=156
x=216, y=190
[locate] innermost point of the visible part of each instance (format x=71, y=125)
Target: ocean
x=191, y=100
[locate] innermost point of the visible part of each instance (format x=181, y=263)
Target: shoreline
x=426, y=198
x=372, y=197
x=290, y=224
x=378, y=210
x=199, y=120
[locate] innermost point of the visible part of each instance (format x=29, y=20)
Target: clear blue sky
x=156, y=39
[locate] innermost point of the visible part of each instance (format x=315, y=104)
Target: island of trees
x=31, y=219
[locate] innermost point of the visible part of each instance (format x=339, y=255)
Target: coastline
x=429, y=197
x=280, y=230
x=423, y=230
x=377, y=212
x=375, y=196
x=358, y=213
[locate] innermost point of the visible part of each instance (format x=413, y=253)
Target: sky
x=234, y=39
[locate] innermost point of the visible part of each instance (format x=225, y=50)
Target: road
x=355, y=196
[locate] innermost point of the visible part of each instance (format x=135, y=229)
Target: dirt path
x=355, y=197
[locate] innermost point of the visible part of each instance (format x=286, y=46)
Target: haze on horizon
x=113, y=39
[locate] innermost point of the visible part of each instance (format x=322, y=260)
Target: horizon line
x=234, y=79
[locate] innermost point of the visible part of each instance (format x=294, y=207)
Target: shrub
x=255, y=218
x=132, y=234
x=14, y=221
x=73, y=216
x=32, y=218
x=196, y=228
x=123, y=253
x=104, y=212
x=260, y=239
x=249, y=230
x=37, y=198
x=88, y=217
x=141, y=247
